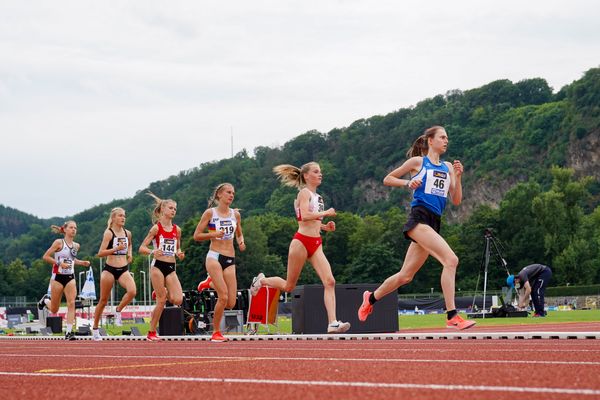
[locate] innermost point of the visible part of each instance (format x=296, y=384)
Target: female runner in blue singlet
x=432, y=181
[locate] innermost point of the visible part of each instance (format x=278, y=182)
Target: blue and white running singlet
x=433, y=191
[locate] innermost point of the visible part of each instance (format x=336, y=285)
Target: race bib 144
x=168, y=246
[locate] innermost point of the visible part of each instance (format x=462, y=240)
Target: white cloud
x=121, y=85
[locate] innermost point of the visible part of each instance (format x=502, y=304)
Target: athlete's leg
x=126, y=281
x=296, y=258
x=158, y=284
x=70, y=294
x=323, y=269
x=413, y=261
x=436, y=246
x=216, y=272
x=56, y=292
x=106, y=283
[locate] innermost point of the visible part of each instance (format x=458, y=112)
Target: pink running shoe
x=153, y=337
x=205, y=284
x=457, y=322
x=217, y=337
x=365, y=308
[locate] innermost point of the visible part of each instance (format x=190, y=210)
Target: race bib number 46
x=168, y=246
x=437, y=183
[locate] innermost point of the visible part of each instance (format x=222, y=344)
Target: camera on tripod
x=492, y=245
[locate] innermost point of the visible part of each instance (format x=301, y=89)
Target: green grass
x=410, y=322
x=438, y=320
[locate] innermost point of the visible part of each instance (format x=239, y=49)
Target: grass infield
x=433, y=321
x=553, y=317
x=426, y=321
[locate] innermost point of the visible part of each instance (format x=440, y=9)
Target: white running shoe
x=338, y=327
x=256, y=285
x=96, y=335
x=42, y=303
x=118, y=320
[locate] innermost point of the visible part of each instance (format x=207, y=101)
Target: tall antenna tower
x=232, y=142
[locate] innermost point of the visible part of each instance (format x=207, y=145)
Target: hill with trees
x=531, y=159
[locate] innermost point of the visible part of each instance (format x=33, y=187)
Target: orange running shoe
x=152, y=336
x=205, y=284
x=365, y=308
x=217, y=337
x=457, y=322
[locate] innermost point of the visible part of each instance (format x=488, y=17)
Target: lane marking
x=317, y=349
x=109, y=367
x=372, y=345
x=381, y=350
x=526, y=334
x=376, y=385
x=334, y=359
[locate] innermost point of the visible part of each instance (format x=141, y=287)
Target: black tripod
x=490, y=243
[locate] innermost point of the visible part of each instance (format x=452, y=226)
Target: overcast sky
x=98, y=99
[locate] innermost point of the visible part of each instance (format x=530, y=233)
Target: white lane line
x=372, y=344
x=220, y=350
x=334, y=359
x=435, y=335
x=375, y=385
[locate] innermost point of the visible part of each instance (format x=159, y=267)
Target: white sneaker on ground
x=118, y=321
x=96, y=335
x=338, y=327
x=256, y=285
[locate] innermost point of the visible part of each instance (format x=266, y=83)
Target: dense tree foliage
x=513, y=138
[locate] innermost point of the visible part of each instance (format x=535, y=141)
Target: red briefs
x=311, y=243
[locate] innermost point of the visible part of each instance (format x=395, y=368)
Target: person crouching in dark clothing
x=532, y=280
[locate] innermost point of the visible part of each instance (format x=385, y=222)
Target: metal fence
x=13, y=301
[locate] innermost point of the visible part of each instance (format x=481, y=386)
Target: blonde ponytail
x=293, y=176
x=158, y=206
x=111, y=216
x=61, y=229
x=214, y=198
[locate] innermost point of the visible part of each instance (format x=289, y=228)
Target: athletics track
x=546, y=362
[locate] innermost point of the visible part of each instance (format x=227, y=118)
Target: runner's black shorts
x=421, y=215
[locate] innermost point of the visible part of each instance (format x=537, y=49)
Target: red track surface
x=368, y=369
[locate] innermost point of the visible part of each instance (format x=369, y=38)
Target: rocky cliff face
x=473, y=196
x=584, y=155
